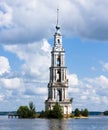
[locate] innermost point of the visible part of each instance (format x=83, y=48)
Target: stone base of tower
x=66, y=106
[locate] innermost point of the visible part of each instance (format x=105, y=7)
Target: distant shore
x=90, y=113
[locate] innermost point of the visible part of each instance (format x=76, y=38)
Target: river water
x=91, y=123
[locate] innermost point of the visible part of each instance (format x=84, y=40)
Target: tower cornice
x=56, y=51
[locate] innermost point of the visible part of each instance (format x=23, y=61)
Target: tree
x=42, y=114
x=77, y=112
x=106, y=113
x=81, y=112
x=32, y=111
x=23, y=111
x=49, y=114
x=27, y=112
x=85, y=113
x=56, y=113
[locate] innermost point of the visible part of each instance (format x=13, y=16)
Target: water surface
x=91, y=123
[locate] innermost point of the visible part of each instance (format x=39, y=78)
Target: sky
x=26, y=39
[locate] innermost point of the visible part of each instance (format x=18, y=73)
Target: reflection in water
x=91, y=123
x=55, y=124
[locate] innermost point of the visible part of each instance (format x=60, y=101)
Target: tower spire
x=57, y=16
x=57, y=26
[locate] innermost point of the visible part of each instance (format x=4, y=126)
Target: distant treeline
x=91, y=113
x=95, y=113
x=7, y=113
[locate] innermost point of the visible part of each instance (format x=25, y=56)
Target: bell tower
x=58, y=82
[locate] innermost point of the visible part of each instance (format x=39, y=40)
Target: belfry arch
x=58, y=61
x=59, y=95
x=59, y=41
x=58, y=76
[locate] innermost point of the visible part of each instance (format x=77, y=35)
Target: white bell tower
x=58, y=83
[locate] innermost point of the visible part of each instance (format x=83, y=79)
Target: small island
x=55, y=113
x=27, y=111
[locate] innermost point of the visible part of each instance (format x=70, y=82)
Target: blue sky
x=26, y=38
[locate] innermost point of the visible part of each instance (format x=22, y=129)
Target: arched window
x=58, y=76
x=58, y=40
x=58, y=61
x=59, y=95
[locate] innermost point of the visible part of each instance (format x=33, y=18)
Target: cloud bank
x=29, y=21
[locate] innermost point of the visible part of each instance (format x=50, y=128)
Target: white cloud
x=36, y=90
x=36, y=57
x=30, y=82
x=74, y=84
x=100, y=81
x=103, y=81
x=96, y=99
x=83, y=97
x=96, y=92
x=13, y=83
x=2, y=97
x=94, y=17
x=73, y=79
x=30, y=22
x=33, y=20
x=75, y=90
x=90, y=93
x=105, y=99
x=5, y=15
x=4, y=65
x=41, y=90
x=104, y=65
